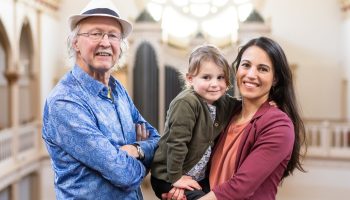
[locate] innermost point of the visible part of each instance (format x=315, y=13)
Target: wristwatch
x=139, y=151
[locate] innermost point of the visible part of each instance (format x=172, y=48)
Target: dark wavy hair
x=283, y=94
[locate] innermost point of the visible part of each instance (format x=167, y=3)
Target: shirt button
x=216, y=124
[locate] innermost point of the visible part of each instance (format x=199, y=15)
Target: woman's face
x=255, y=75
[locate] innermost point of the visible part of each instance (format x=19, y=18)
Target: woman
x=262, y=143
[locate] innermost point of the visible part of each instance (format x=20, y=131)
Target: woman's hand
x=174, y=194
x=178, y=191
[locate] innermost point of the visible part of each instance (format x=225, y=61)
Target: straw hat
x=104, y=8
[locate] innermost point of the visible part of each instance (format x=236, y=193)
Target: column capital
x=12, y=76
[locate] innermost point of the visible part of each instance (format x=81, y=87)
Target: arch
x=27, y=82
x=4, y=86
x=26, y=51
x=146, y=83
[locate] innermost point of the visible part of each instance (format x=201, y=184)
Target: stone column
x=12, y=77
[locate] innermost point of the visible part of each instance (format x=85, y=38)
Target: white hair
x=73, y=36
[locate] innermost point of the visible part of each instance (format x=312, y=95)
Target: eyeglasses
x=98, y=36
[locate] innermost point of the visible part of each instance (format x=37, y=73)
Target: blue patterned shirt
x=83, y=130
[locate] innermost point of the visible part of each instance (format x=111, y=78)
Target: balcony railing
x=19, y=147
x=329, y=140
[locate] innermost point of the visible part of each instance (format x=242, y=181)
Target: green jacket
x=189, y=130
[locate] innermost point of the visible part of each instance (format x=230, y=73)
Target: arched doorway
x=146, y=83
x=173, y=85
x=4, y=86
x=27, y=86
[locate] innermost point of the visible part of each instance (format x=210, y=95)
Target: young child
x=194, y=120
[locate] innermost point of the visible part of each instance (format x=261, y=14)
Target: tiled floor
x=147, y=191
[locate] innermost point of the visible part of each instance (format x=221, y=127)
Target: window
x=216, y=20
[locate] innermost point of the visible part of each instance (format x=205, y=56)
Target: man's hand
x=141, y=135
x=141, y=132
x=131, y=150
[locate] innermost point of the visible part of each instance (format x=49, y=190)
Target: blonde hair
x=205, y=53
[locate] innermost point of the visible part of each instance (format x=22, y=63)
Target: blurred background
x=314, y=34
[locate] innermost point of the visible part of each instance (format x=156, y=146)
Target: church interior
x=314, y=34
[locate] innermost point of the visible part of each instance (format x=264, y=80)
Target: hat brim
x=126, y=26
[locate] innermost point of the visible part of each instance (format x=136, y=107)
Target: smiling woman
x=185, y=19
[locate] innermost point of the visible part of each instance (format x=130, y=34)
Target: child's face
x=209, y=83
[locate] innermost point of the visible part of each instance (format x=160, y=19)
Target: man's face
x=97, y=54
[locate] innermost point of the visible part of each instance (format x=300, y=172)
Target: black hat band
x=101, y=11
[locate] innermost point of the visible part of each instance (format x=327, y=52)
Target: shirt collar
x=92, y=85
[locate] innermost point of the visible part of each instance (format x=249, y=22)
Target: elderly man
x=89, y=119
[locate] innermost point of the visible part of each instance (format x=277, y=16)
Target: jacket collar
x=261, y=111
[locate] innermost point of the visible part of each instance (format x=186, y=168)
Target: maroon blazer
x=263, y=154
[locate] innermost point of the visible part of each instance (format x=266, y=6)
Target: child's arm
x=181, y=122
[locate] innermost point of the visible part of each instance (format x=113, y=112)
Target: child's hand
x=273, y=103
x=141, y=132
x=186, y=182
